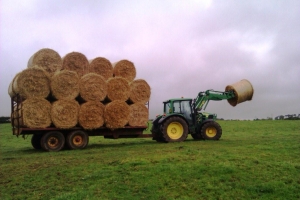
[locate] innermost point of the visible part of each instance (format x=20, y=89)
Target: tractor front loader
x=183, y=116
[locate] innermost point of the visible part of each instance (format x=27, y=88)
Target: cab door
x=186, y=110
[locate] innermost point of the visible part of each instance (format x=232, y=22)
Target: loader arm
x=203, y=98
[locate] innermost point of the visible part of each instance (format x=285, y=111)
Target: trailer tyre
x=174, y=129
x=77, y=140
x=211, y=131
x=53, y=141
x=36, y=141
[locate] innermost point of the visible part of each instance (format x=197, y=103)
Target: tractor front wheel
x=211, y=131
x=174, y=129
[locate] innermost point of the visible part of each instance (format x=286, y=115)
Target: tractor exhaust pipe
x=243, y=91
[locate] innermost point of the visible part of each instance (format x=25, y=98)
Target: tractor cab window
x=169, y=108
x=176, y=107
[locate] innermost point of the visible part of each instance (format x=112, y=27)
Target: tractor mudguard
x=207, y=120
x=204, y=122
x=155, y=126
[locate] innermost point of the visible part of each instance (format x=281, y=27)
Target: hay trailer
x=55, y=139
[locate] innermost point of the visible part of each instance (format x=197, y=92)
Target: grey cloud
x=178, y=48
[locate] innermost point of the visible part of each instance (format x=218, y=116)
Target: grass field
x=252, y=160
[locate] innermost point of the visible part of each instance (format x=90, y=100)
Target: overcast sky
x=180, y=47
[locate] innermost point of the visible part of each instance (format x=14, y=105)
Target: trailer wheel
x=36, y=141
x=174, y=129
x=211, y=131
x=77, y=140
x=53, y=141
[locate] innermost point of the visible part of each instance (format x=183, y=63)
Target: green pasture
x=252, y=160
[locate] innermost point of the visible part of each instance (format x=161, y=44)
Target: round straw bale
x=64, y=113
x=118, y=89
x=11, y=91
x=116, y=114
x=47, y=59
x=125, y=69
x=92, y=87
x=139, y=91
x=35, y=113
x=32, y=82
x=77, y=62
x=101, y=66
x=65, y=85
x=91, y=115
x=139, y=115
x=243, y=91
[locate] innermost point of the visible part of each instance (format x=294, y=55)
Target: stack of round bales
x=93, y=90
x=33, y=86
x=70, y=91
x=127, y=97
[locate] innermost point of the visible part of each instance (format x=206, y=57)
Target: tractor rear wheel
x=77, y=140
x=174, y=129
x=211, y=131
x=53, y=141
x=36, y=141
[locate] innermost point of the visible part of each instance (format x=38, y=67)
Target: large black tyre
x=157, y=135
x=160, y=138
x=36, y=141
x=211, y=131
x=77, y=140
x=174, y=129
x=53, y=141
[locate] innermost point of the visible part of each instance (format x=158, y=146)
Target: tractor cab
x=181, y=106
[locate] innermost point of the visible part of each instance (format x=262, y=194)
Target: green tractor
x=183, y=116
